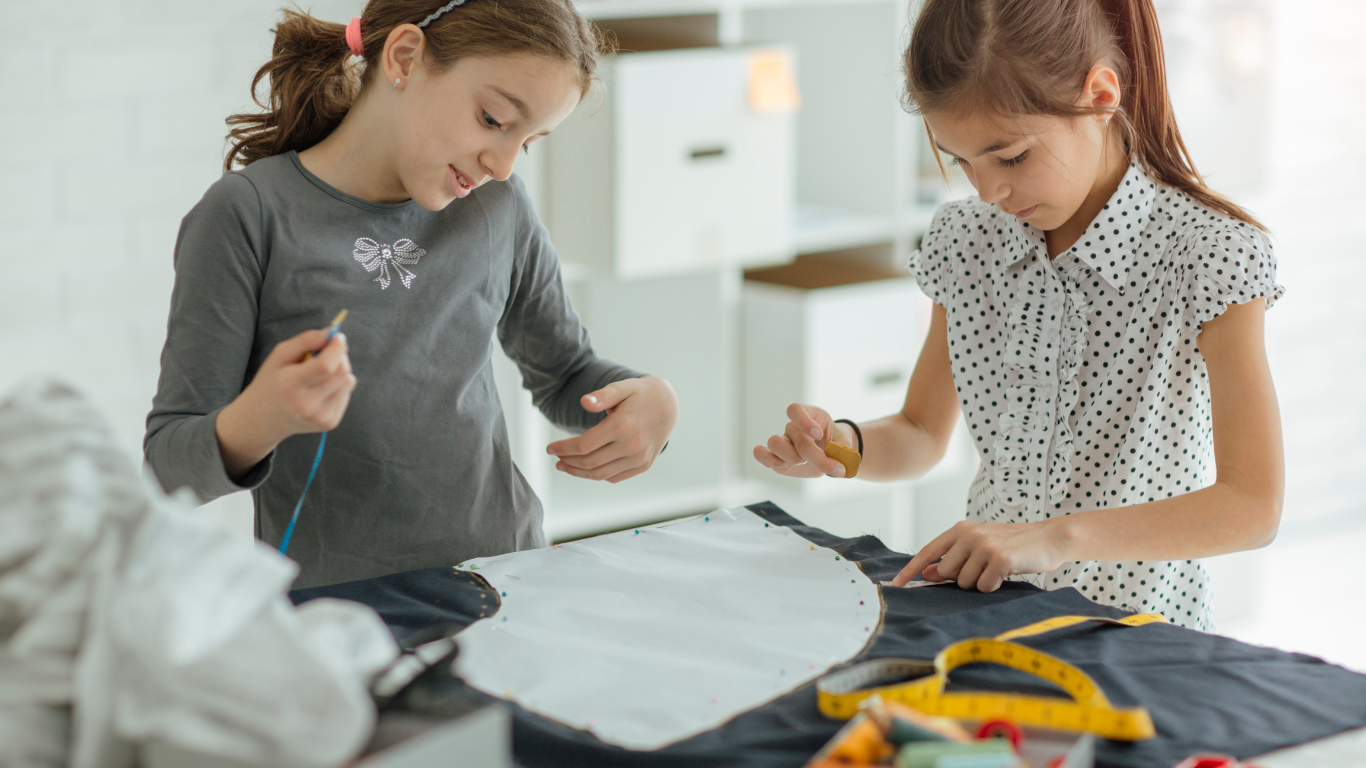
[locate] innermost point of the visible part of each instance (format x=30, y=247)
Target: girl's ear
x=1101, y=91
x=402, y=51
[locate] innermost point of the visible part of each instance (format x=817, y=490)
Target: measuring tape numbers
x=839, y=693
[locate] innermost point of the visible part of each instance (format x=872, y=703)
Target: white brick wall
x=111, y=129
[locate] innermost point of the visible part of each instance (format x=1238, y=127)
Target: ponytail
x=1146, y=114
x=1031, y=57
x=314, y=80
x=312, y=86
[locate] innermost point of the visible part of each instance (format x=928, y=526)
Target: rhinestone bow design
x=378, y=256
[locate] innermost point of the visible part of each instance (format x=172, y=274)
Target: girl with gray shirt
x=379, y=179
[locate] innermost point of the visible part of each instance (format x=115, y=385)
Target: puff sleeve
x=932, y=264
x=1228, y=263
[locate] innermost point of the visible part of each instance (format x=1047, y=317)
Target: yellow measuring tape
x=839, y=693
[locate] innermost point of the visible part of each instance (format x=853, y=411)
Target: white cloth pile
x=124, y=617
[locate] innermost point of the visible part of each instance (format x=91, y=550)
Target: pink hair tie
x=353, y=40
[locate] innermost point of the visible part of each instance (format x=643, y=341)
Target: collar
x=1110, y=245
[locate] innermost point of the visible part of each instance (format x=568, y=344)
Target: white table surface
x=1345, y=750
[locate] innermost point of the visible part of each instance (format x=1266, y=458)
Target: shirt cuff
x=216, y=482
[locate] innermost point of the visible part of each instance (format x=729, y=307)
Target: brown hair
x=313, y=81
x=1032, y=57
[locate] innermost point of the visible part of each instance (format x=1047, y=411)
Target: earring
x=397, y=80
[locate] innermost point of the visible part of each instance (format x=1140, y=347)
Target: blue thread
x=318, y=459
x=322, y=441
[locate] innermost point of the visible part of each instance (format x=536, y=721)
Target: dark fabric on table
x=1205, y=692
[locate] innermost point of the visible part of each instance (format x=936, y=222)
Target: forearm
x=561, y=404
x=1222, y=518
x=894, y=448
x=183, y=452
x=1242, y=510
x=244, y=440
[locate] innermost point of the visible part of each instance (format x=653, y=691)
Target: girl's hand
x=982, y=555
x=800, y=450
x=641, y=414
x=290, y=394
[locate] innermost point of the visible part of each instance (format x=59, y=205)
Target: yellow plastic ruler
x=839, y=693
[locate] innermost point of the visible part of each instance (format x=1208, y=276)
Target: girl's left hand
x=982, y=555
x=641, y=414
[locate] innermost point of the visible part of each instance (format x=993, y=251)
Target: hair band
x=439, y=12
x=353, y=40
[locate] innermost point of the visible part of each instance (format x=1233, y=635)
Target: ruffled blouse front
x=1044, y=344
x=1079, y=375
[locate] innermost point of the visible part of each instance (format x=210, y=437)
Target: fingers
x=323, y=405
x=333, y=363
x=984, y=571
x=293, y=349
x=810, y=420
x=617, y=449
x=977, y=556
x=782, y=447
x=993, y=576
x=316, y=391
x=972, y=569
x=590, y=441
x=610, y=396
x=610, y=469
x=769, y=459
x=627, y=475
x=332, y=359
x=333, y=407
x=952, y=563
x=927, y=555
x=808, y=450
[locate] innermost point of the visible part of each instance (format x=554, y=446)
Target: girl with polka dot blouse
x=1098, y=320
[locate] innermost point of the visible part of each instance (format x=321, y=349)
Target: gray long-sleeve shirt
x=419, y=473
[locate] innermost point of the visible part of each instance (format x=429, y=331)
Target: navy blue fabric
x=1205, y=692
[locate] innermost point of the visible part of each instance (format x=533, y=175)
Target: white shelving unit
x=856, y=188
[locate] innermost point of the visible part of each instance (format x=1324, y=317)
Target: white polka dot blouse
x=1080, y=378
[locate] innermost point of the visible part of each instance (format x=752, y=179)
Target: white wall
x=111, y=128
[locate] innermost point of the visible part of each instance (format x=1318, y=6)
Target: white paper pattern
x=646, y=637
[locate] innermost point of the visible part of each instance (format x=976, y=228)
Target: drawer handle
x=885, y=377
x=707, y=153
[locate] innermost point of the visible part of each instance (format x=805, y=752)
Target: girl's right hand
x=800, y=450
x=290, y=394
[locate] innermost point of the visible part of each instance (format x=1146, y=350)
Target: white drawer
x=674, y=171
x=860, y=347
x=849, y=349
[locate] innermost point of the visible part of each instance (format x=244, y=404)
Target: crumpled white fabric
x=124, y=616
